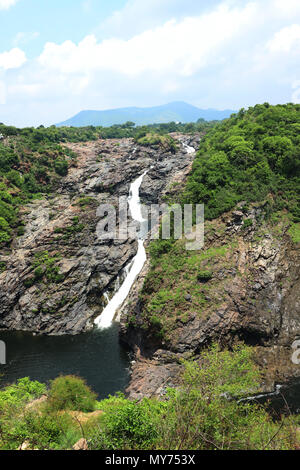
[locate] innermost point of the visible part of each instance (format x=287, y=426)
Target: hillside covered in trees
x=253, y=156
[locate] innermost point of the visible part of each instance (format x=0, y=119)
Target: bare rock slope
x=57, y=272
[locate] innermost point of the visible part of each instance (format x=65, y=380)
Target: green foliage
x=85, y=201
x=71, y=393
x=294, y=233
x=2, y=267
x=247, y=223
x=206, y=412
x=45, y=268
x=204, y=276
x=47, y=265
x=61, y=167
x=153, y=139
x=160, y=247
x=126, y=425
x=251, y=156
x=22, y=392
x=67, y=232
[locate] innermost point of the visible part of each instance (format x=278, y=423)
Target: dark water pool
x=97, y=357
x=287, y=399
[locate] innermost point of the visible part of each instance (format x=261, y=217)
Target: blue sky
x=60, y=57
x=40, y=21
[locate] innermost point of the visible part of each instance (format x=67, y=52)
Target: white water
x=188, y=148
x=107, y=316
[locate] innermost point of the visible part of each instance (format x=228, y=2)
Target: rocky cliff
x=251, y=294
x=55, y=275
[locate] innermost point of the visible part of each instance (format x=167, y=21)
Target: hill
x=177, y=112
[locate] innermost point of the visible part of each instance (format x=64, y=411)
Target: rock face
x=58, y=271
x=81, y=445
x=254, y=298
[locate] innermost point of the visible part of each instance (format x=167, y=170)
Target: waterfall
x=106, y=318
x=188, y=148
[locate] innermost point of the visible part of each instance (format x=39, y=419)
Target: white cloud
x=12, y=59
x=25, y=38
x=2, y=92
x=287, y=7
x=181, y=47
x=286, y=39
x=139, y=15
x=222, y=54
x=6, y=4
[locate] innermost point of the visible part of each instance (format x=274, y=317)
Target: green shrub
x=29, y=282
x=294, y=233
x=61, y=167
x=71, y=393
x=4, y=237
x=247, y=223
x=160, y=247
x=204, y=276
x=2, y=267
x=24, y=390
x=126, y=425
x=20, y=231
x=208, y=413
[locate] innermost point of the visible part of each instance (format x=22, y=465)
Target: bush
x=127, y=425
x=71, y=393
x=23, y=391
x=61, y=167
x=248, y=223
x=207, y=412
x=204, y=276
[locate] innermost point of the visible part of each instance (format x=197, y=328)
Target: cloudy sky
x=58, y=57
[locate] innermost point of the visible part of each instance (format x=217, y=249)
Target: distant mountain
x=177, y=112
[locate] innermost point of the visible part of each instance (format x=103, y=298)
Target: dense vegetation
x=30, y=165
x=253, y=156
x=205, y=412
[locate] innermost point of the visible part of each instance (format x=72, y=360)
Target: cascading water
x=106, y=318
x=188, y=148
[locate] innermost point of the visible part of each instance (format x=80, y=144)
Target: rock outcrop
x=254, y=297
x=57, y=273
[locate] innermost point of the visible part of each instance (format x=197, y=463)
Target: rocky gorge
x=59, y=276
x=57, y=273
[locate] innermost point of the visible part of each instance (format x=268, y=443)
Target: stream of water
x=105, y=320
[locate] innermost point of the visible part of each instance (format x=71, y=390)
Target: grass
x=180, y=284
x=294, y=233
